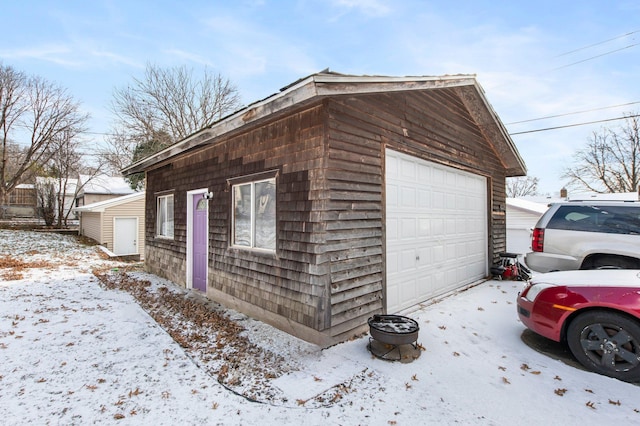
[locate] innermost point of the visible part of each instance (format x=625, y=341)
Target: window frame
x=252, y=181
x=165, y=216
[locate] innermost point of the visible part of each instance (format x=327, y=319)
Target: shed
x=117, y=224
x=335, y=199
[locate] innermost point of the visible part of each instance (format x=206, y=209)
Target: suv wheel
x=611, y=262
x=606, y=343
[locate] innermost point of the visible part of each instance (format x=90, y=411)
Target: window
x=164, y=225
x=254, y=214
x=608, y=219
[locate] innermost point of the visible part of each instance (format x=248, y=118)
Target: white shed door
x=125, y=235
x=436, y=229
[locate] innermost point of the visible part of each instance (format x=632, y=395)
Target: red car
x=596, y=312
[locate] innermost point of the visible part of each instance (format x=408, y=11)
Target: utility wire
x=595, y=57
x=597, y=44
x=572, y=113
x=574, y=125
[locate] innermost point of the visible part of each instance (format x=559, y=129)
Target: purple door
x=200, y=241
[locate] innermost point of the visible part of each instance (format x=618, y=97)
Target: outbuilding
x=117, y=224
x=335, y=199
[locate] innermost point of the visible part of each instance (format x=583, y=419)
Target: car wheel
x=606, y=343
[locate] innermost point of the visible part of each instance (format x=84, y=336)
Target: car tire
x=607, y=343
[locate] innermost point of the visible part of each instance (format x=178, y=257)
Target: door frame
x=137, y=240
x=190, y=195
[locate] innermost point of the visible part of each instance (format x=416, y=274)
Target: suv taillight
x=537, y=241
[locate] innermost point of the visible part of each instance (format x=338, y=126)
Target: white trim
x=137, y=234
x=189, y=277
x=100, y=206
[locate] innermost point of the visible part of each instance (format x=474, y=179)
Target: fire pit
x=390, y=333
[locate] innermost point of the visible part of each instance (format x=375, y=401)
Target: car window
x=607, y=219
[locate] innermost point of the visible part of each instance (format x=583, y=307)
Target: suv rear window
x=607, y=219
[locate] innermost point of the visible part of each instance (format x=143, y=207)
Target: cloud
x=76, y=56
x=56, y=54
x=372, y=8
x=250, y=49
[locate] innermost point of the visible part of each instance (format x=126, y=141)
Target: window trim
x=252, y=180
x=164, y=196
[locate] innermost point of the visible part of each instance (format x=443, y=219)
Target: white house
x=70, y=187
x=99, y=188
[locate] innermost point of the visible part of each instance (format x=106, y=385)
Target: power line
x=572, y=113
x=574, y=125
x=595, y=57
x=597, y=44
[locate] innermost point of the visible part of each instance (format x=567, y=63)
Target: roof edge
x=315, y=85
x=99, y=206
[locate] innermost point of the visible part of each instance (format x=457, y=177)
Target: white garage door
x=436, y=234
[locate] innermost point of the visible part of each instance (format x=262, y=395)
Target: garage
x=436, y=229
x=117, y=224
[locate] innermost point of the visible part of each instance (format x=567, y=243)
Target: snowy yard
x=87, y=340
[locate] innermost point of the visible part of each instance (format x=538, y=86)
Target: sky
x=73, y=351
x=533, y=59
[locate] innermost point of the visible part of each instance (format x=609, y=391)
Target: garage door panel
x=436, y=229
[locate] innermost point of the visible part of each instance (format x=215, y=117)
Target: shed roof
x=104, y=184
x=326, y=83
x=101, y=206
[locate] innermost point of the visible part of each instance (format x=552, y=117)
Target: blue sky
x=533, y=59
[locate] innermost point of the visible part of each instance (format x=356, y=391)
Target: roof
x=70, y=184
x=614, y=196
x=327, y=83
x=101, y=206
x=527, y=205
x=103, y=184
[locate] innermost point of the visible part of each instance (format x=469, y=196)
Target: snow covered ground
x=76, y=349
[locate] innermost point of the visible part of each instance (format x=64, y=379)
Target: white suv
x=586, y=235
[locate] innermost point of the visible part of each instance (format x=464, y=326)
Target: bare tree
x=64, y=166
x=610, y=162
x=521, y=186
x=166, y=105
x=33, y=113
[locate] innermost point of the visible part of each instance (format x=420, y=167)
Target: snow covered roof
x=528, y=205
x=103, y=184
x=70, y=184
x=616, y=196
x=100, y=206
x=540, y=203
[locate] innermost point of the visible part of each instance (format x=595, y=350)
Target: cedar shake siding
x=292, y=283
x=327, y=153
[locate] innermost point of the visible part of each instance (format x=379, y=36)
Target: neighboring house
x=70, y=189
x=100, y=188
x=335, y=199
x=22, y=202
x=522, y=216
x=117, y=224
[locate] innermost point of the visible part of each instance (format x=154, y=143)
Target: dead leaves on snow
x=206, y=333
x=12, y=269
